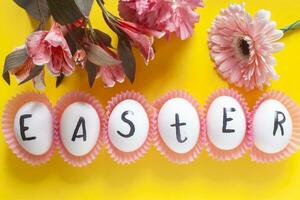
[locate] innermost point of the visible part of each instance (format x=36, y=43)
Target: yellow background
x=178, y=65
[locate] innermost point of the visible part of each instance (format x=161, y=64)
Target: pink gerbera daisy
x=241, y=46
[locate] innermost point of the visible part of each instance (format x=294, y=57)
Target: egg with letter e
x=28, y=127
x=227, y=121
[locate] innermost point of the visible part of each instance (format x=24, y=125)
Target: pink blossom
x=141, y=38
x=111, y=74
x=51, y=48
x=241, y=46
x=170, y=16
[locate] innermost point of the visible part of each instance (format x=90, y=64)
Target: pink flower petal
x=39, y=82
x=61, y=61
x=118, y=73
x=107, y=76
x=37, y=48
x=56, y=63
x=176, y=17
x=142, y=42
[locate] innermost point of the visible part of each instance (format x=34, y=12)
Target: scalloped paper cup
x=62, y=104
x=8, y=116
x=179, y=158
x=294, y=144
x=247, y=142
x=129, y=157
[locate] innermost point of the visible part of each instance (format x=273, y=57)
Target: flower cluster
x=72, y=43
x=241, y=46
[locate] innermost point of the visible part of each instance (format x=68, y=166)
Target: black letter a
x=81, y=122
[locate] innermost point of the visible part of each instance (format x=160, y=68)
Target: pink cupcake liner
x=8, y=116
x=174, y=157
x=261, y=157
x=63, y=103
x=246, y=144
x=129, y=157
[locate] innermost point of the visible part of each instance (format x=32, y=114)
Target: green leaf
x=64, y=11
x=36, y=70
x=13, y=61
x=100, y=57
x=84, y=6
x=127, y=58
x=91, y=69
x=38, y=9
x=103, y=38
x=59, y=80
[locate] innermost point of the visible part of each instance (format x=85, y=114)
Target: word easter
x=78, y=127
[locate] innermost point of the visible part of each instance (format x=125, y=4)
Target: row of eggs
x=78, y=127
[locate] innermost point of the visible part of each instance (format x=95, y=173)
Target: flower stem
x=91, y=29
x=105, y=11
x=43, y=21
x=109, y=18
x=101, y=5
x=291, y=27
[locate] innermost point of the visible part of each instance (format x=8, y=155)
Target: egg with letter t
x=179, y=127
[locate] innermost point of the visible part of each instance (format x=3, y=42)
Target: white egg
x=79, y=128
x=128, y=126
x=179, y=125
x=33, y=128
x=226, y=123
x=272, y=127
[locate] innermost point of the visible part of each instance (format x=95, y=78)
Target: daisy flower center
x=242, y=45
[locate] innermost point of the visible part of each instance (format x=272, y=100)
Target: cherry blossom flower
x=241, y=46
